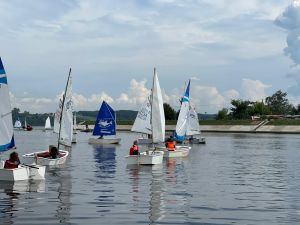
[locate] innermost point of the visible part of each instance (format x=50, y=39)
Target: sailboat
x=65, y=130
x=27, y=127
x=105, y=125
x=47, y=124
x=18, y=124
x=23, y=172
x=193, y=128
x=157, y=127
x=181, y=127
x=74, y=139
x=142, y=123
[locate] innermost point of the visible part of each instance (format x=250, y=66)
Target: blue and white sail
x=106, y=121
x=6, y=124
x=182, y=122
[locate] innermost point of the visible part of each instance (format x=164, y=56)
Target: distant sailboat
x=65, y=130
x=105, y=125
x=18, y=124
x=157, y=127
x=7, y=142
x=74, y=139
x=193, y=128
x=48, y=124
x=27, y=127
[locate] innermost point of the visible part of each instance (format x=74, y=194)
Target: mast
x=152, y=103
x=62, y=108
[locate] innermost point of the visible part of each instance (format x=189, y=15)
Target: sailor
x=52, y=153
x=134, y=150
x=170, y=144
x=13, y=161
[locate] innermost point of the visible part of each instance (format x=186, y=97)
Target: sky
x=230, y=49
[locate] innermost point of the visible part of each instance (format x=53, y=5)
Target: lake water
x=233, y=179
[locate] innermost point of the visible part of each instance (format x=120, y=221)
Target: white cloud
x=137, y=94
x=253, y=90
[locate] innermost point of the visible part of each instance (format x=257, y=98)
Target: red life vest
x=10, y=165
x=134, y=150
x=44, y=154
x=171, y=145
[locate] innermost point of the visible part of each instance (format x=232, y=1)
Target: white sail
x=25, y=123
x=6, y=123
x=75, y=122
x=157, y=112
x=48, y=124
x=193, y=127
x=142, y=121
x=18, y=124
x=181, y=126
x=57, y=118
x=66, y=126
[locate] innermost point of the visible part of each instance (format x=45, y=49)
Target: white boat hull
x=101, y=141
x=30, y=159
x=146, y=158
x=22, y=173
x=180, y=151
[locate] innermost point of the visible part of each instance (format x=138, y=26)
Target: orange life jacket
x=171, y=145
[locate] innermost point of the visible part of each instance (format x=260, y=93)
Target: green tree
x=259, y=108
x=222, y=114
x=170, y=113
x=279, y=103
x=240, y=109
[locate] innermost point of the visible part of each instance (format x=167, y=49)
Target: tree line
x=276, y=104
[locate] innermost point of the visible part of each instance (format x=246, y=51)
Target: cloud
x=253, y=90
x=137, y=94
x=290, y=21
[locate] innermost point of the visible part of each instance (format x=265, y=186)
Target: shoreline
x=279, y=129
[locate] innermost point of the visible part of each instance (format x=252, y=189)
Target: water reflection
x=9, y=205
x=105, y=159
x=63, y=178
x=152, y=175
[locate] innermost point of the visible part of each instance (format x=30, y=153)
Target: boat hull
x=146, y=158
x=102, y=141
x=22, y=173
x=200, y=140
x=180, y=151
x=31, y=159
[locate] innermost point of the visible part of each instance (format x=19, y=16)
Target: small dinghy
x=64, y=129
x=22, y=172
x=105, y=126
x=151, y=120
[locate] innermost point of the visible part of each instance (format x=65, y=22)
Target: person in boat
x=134, y=150
x=13, y=161
x=52, y=153
x=171, y=144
